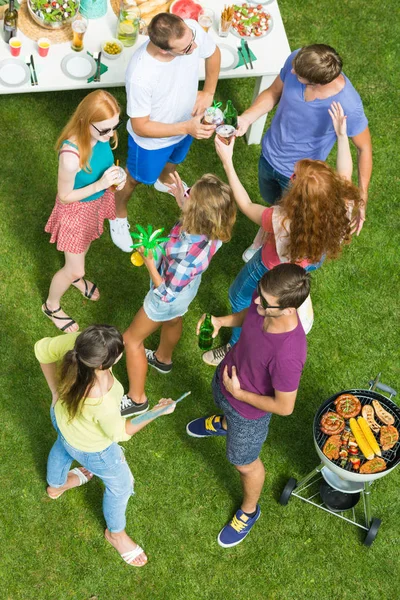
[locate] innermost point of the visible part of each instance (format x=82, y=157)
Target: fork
x=28, y=64
x=240, y=50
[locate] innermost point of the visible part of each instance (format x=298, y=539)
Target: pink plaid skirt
x=74, y=226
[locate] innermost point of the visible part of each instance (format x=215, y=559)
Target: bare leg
x=166, y=172
x=74, y=268
x=72, y=481
x=123, y=543
x=252, y=477
x=171, y=332
x=136, y=361
x=122, y=196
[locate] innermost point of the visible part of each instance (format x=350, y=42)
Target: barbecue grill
x=336, y=489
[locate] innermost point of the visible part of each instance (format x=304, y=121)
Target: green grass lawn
x=185, y=489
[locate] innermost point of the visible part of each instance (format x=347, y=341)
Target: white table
x=270, y=51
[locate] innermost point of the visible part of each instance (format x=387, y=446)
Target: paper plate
x=229, y=57
x=14, y=72
x=78, y=66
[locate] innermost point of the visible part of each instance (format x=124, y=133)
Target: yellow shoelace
x=209, y=423
x=238, y=525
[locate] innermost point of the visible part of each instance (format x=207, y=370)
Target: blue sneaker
x=206, y=427
x=236, y=530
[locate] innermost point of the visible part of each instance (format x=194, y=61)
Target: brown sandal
x=52, y=315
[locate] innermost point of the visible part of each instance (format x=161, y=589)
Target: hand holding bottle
x=111, y=176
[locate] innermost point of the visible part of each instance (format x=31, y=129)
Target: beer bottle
x=230, y=115
x=205, y=335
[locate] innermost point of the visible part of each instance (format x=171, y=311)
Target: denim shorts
x=146, y=166
x=158, y=310
x=245, y=436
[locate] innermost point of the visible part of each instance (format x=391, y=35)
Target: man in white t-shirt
x=164, y=106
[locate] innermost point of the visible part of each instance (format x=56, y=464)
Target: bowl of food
x=251, y=22
x=112, y=48
x=53, y=15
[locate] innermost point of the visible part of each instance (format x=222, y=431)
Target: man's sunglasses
x=188, y=48
x=263, y=301
x=107, y=131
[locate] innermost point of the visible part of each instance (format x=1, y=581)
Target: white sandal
x=131, y=555
x=82, y=480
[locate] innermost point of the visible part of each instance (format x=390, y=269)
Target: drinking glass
x=206, y=18
x=79, y=27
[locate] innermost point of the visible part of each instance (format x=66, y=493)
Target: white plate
x=13, y=72
x=78, y=66
x=229, y=57
x=263, y=2
x=254, y=37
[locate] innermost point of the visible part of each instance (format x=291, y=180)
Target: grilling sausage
x=347, y=406
x=389, y=437
x=382, y=414
x=332, y=423
x=373, y=466
x=368, y=414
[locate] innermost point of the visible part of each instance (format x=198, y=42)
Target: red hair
x=317, y=207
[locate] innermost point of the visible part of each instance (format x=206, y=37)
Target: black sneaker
x=129, y=408
x=156, y=364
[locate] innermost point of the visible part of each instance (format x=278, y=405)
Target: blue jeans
x=272, y=184
x=109, y=465
x=245, y=284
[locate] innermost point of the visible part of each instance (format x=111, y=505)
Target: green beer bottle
x=205, y=335
x=230, y=115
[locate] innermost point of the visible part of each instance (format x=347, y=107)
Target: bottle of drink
x=205, y=335
x=231, y=115
x=10, y=22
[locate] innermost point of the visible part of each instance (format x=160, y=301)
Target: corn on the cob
x=361, y=440
x=369, y=436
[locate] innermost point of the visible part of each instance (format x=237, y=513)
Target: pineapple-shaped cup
x=150, y=240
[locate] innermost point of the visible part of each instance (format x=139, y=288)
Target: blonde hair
x=210, y=209
x=96, y=106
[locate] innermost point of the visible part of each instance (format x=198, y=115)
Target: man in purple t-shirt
x=310, y=80
x=258, y=377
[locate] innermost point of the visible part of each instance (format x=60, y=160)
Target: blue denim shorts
x=146, y=166
x=158, y=310
x=245, y=436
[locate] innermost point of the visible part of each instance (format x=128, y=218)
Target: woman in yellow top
x=85, y=412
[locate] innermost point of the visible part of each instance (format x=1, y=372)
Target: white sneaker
x=217, y=355
x=119, y=230
x=249, y=253
x=161, y=187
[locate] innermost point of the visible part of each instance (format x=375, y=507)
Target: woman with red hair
x=312, y=220
x=85, y=197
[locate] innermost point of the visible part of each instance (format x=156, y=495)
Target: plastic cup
x=121, y=178
x=43, y=46
x=15, y=46
x=225, y=133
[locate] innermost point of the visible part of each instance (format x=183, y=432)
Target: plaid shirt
x=187, y=256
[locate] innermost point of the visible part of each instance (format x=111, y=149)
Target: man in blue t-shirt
x=310, y=80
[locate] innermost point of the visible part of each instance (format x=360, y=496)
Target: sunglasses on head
x=107, y=131
x=263, y=301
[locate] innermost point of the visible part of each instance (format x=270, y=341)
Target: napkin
x=103, y=69
x=241, y=62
